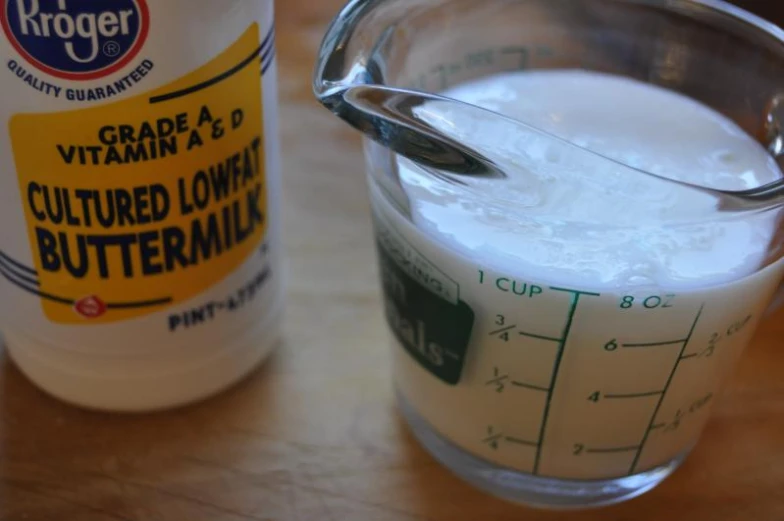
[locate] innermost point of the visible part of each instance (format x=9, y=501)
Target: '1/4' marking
x=494, y=439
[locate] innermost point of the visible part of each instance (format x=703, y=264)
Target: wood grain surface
x=314, y=435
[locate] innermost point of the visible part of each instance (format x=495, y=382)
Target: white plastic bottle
x=140, y=252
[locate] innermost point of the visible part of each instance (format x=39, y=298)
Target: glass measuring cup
x=553, y=390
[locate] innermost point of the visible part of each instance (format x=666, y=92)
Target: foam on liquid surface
x=563, y=217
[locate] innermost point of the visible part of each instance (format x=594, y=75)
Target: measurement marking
x=501, y=330
x=575, y=292
x=529, y=386
x=612, y=450
x=540, y=337
x=556, y=369
x=493, y=438
x=657, y=426
x=498, y=380
x=692, y=355
x=521, y=442
x=635, y=395
x=666, y=387
x=657, y=344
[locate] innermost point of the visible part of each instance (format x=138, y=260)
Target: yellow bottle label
x=134, y=206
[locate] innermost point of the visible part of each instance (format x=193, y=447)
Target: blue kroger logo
x=76, y=39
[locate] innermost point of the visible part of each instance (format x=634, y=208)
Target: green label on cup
x=423, y=308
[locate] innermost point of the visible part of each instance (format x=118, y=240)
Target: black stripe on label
x=18, y=264
x=268, y=42
x=269, y=63
x=27, y=286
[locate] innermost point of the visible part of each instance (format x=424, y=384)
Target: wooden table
x=314, y=435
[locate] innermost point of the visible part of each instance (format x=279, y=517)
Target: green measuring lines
x=550, y=389
x=557, y=366
x=650, y=428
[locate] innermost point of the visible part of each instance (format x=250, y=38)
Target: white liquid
x=575, y=273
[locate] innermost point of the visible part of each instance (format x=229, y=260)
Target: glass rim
x=332, y=59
